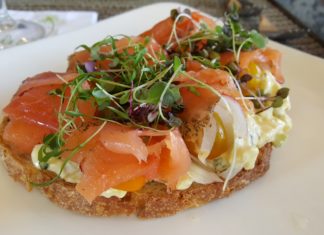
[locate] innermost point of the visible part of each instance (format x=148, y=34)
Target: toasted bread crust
x=153, y=200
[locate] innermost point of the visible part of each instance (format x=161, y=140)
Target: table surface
x=109, y=8
x=309, y=12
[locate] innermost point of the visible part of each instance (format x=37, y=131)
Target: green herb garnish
x=133, y=86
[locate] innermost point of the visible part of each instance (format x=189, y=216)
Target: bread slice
x=153, y=200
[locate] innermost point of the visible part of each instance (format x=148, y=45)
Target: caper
x=174, y=13
x=214, y=55
x=278, y=101
x=245, y=78
x=283, y=92
x=187, y=11
x=233, y=67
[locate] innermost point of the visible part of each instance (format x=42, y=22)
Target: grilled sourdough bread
x=152, y=201
x=215, y=103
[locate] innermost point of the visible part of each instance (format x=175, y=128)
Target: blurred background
x=297, y=23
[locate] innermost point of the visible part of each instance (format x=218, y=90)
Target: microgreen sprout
x=263, y=103
x=128, y=81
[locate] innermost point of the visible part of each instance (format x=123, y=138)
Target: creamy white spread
x=269, y=126
x=274, y=125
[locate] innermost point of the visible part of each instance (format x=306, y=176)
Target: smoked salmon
x=44, y=79
x=36, y=106
x=187, y=25
x=118, y=154
x=268, y=59
x=22, y=135
x=79, y=58
x=33, y=107
x=202, y=99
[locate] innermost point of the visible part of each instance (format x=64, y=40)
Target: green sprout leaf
x=171, y=97
x=153, y=95
x=219, y=30
x=119, y=113
x=193, y=90
x=53, y=141
x=74, y=113
x=57, y=92
x=176, y=63
x=85, y=47
x=257, y=39
x=99, y=94
x=140, y=56
x=124, y=98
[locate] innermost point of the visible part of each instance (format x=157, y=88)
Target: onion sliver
x=234, y=121
x=201, y=175
x=240, y=122
x=208, y=139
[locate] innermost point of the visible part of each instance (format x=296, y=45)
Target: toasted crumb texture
x=152, y=201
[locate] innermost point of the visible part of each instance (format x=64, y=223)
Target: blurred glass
x=16, y=32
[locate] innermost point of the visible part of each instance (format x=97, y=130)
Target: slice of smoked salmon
x=32, y=105
x=45, y=79
x=274, y=61
x=268, y=59
x=103, y=169
x=192, y=65
x=173, y=154
x=204, y=19
x=114, y=137
x=33, y=102
x=162, y=31
x=22, y=136
x=124, y=140
x=200, y=102
x=36, y=106
x=106, y=162
x=80, y=57
x=174, y=159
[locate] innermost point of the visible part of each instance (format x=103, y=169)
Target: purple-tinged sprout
x=141, y=112
x=90, y=66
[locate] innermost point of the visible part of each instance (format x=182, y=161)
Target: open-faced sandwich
x=185, y=113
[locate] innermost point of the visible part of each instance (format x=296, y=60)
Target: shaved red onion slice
x=89, y=66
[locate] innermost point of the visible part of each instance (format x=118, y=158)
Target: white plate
x=289, y=199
